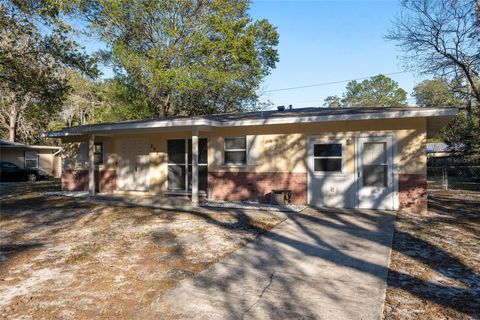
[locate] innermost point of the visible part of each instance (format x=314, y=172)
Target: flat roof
x=255, y=118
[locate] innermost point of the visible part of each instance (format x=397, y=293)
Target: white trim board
x=185, y=124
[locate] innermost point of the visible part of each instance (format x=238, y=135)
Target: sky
x=321, y=42
x=328, y=41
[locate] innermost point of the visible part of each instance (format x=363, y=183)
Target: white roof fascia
x=186, y=123
x=30, y=147
x=342, y=117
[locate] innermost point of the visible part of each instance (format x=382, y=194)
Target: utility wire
x=328, y=83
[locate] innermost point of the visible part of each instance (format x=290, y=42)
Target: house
x=45, y=158
x=335, y=157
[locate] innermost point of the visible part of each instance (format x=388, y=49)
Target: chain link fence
x=454, y=177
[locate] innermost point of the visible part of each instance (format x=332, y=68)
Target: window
x=327, y=157
x=9, y=165
x=98, y=153
x=31, y=159
x=235, y=150
x=375, y=164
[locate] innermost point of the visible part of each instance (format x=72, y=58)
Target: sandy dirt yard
x=435, y=263
x=63, y=258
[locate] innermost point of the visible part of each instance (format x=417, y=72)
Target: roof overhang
x=435, y=124
x=30, y=147
x=436, y=118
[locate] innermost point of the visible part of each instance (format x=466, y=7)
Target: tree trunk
x=12, y=126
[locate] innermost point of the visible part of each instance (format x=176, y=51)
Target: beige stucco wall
x=272, y=148
x=14, y=155
x=284, y=147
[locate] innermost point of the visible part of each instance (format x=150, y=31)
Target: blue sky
x=327, y=41
x=324, y=41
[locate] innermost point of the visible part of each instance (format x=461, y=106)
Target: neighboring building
x=440, y=154
x=45, y=158
x=343, y=157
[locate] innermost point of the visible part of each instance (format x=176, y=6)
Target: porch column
x=91, y=164
x=195, y=166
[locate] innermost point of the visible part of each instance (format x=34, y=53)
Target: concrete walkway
x=318, y=264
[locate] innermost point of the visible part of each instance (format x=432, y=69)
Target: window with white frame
x=235, y=151
x=327, y=157
x=31, y=159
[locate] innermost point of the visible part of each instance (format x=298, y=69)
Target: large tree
x=186, y=56
x=441, y=38
x=435, y=93
x=377, y=91
x=35, y=51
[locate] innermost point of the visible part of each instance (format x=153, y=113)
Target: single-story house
x=45, y=158
x=335, y=157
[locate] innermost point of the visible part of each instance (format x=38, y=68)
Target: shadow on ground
x=439, y=243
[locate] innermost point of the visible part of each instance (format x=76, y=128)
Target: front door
x=330, y=181
x=133, y=165
x=375, y=172
x=180, y=165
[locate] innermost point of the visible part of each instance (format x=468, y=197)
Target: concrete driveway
x=318, y=264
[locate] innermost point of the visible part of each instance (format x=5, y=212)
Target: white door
x=133, y=164
x=375, y=173
x=330, y=183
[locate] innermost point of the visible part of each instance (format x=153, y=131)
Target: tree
x=83, y=101
x=435, y=93
x=378, y=91
x=440, y=38
x=332, y=102
x=189, y=56
x=32, y=64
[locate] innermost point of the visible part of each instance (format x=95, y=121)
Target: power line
x=328, y=83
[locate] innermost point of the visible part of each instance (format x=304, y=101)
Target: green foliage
x=33, y=64
x=463, y=135
x=121, y=103
x=186, y=56
x=332, y=102
x=435, y=93
x=378, y=91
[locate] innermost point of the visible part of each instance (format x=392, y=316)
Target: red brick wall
x=412, y=192
x=108, y=181
x=235, y=186
x=77, y=180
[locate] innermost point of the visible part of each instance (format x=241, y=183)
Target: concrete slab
x=318, y=264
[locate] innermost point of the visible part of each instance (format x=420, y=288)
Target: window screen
x=31, y=159
x=98, y=153
x=327, y=157
x=375, y=166
x=236, y=150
